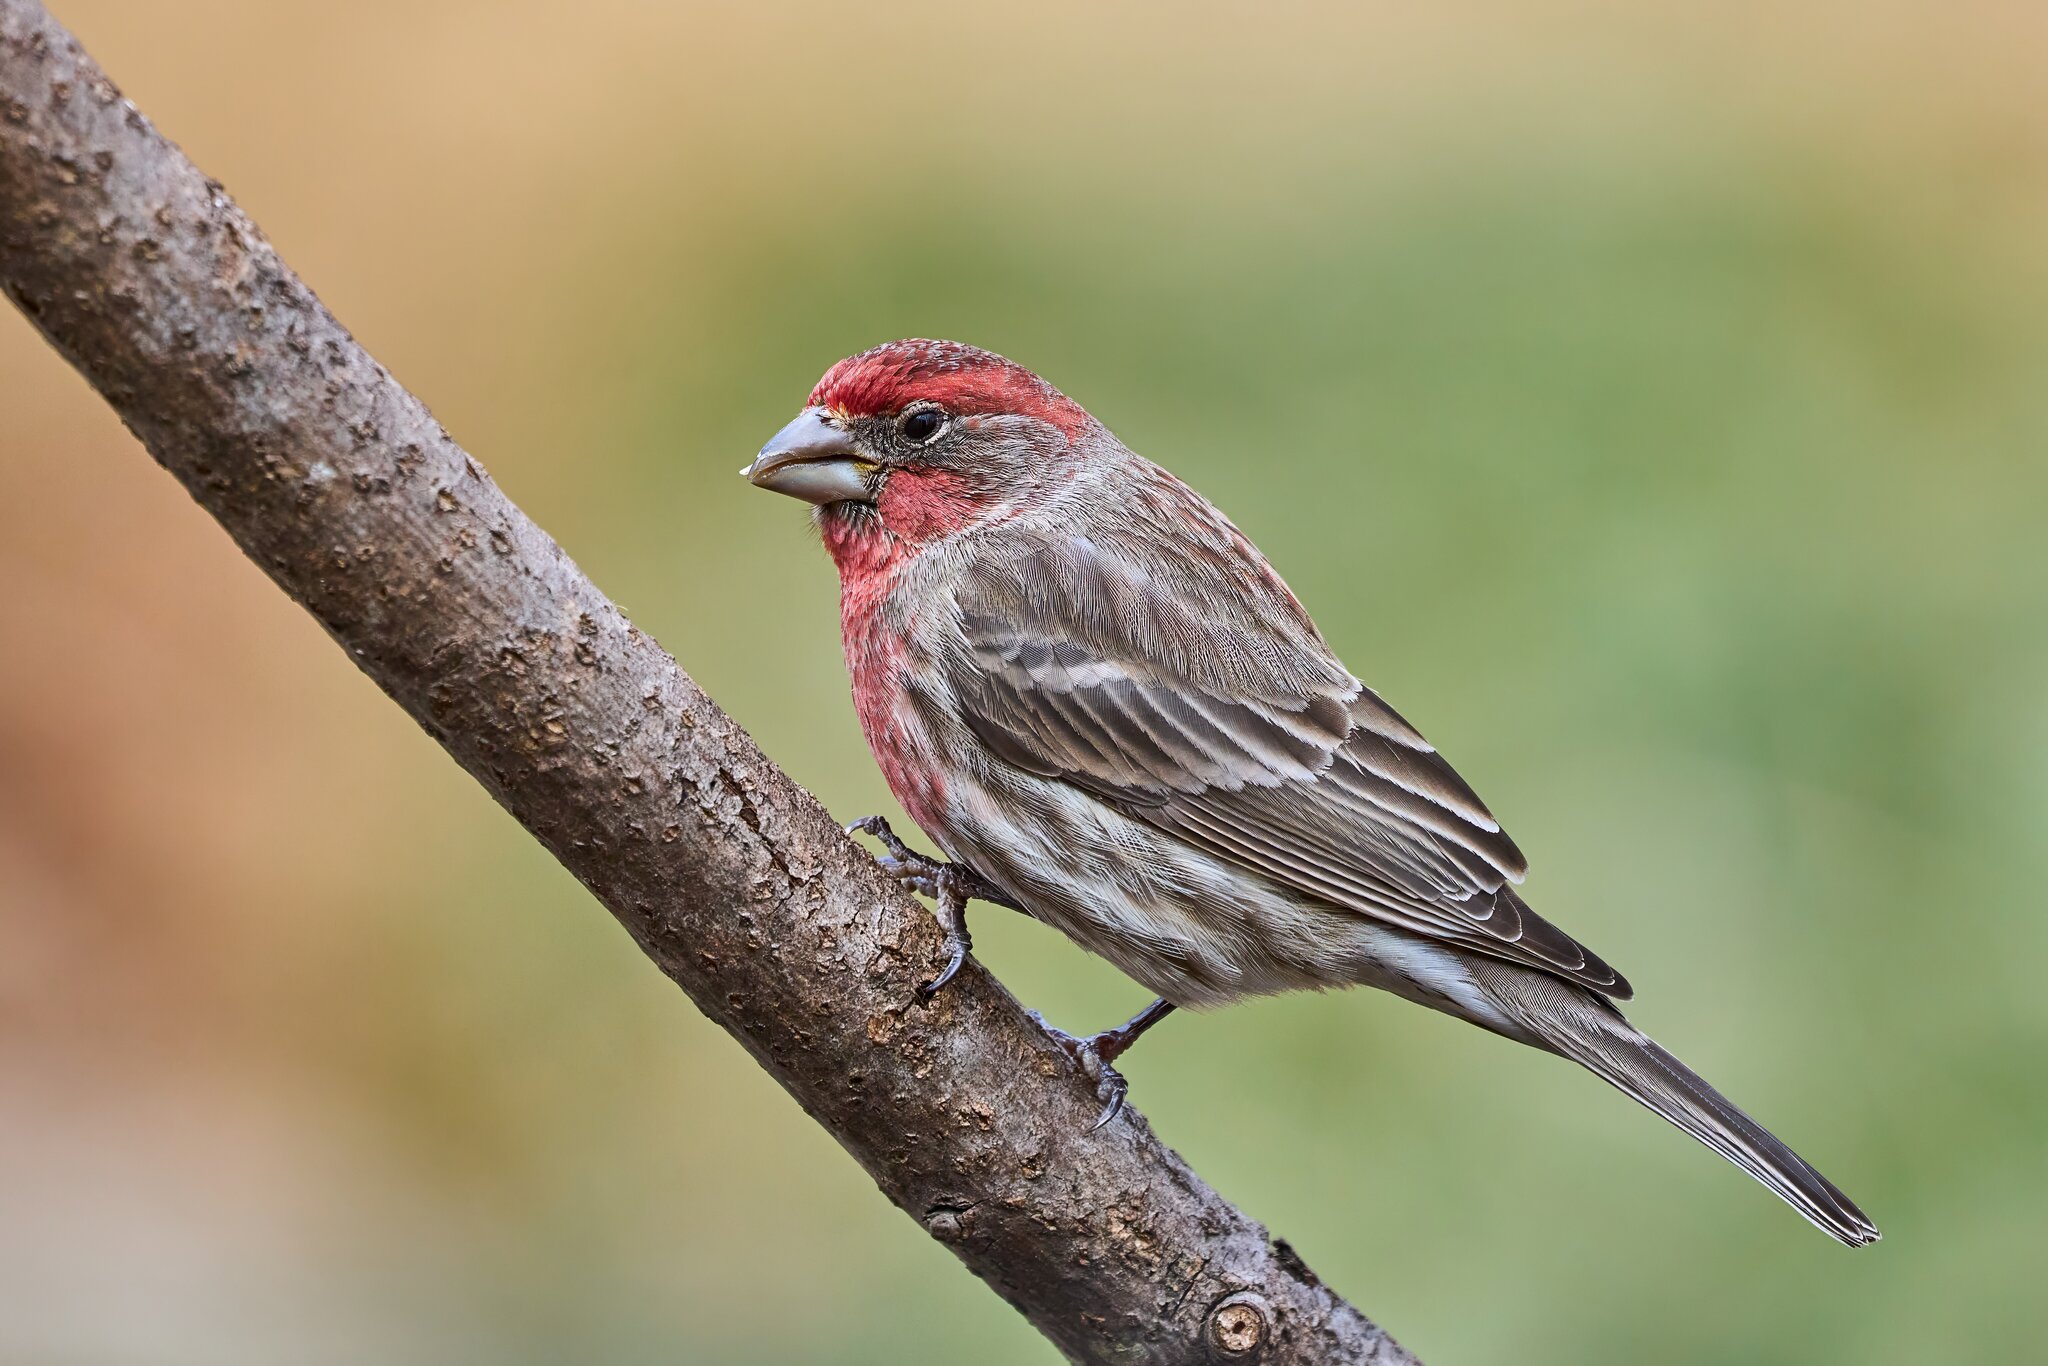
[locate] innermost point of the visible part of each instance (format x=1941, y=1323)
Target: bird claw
x=921, y=873
x=957, y=945
x=903, y=864
x=1088, y=1055
x=1114, y=1105
x=947, y=884
x=901, y=856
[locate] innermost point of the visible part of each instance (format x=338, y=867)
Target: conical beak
x=813, y=460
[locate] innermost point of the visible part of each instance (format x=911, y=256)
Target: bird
x=1109, y=711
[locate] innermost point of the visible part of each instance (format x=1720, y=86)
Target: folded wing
x=1195, y=695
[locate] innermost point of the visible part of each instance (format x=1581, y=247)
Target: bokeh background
x=1651, y=400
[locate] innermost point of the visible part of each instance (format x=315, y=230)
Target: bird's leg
x=950, y=885
x=1097, y=1054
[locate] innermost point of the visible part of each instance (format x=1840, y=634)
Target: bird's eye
x=923, y=424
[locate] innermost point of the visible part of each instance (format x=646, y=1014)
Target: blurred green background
x=1650, y=400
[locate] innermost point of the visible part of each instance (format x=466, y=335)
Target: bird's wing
x=1191, y=692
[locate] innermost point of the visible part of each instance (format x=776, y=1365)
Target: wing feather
x=1236, y=729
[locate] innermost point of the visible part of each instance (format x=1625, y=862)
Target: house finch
x=1109, y=712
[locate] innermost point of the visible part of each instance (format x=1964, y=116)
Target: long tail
x=1571, y=1021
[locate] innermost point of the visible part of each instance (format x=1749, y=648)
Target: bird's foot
x=952, y=906
x=918, y=872
x=950, y=885
x=1096, y=1055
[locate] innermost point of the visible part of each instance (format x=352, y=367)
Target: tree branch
x=344, y=489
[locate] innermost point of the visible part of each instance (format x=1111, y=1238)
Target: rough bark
x=343, y=488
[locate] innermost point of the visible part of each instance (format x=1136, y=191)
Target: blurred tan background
x=1651, y=400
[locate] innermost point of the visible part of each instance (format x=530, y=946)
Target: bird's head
x=914, y=440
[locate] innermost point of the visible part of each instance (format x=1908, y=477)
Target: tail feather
x=1571, y=1022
